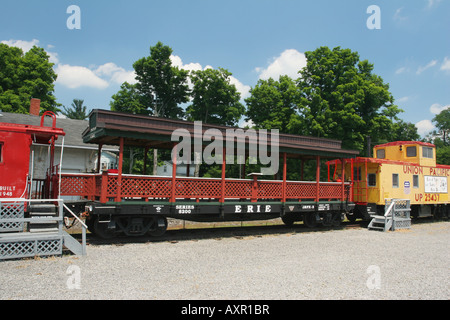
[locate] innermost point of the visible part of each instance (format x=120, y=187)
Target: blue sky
x=253, y=39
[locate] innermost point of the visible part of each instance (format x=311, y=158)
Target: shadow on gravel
x=217, y=233
x=200, y=232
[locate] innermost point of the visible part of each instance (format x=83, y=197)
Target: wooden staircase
x=396, y=216
x=39, y=234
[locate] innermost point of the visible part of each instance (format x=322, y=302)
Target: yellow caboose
x=399, y=170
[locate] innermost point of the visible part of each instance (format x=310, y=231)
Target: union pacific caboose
x=398, y=170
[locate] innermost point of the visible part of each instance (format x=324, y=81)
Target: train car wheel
x=439, y=212
x=158, y=227
x=90, y=224
x=101, y=229
x=310, y=220
x=336, y=219
x=351, y=217
x=288, y=220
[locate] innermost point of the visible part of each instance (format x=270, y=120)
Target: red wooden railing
x=105, y=187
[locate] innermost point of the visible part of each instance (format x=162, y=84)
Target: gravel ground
x=350, y=263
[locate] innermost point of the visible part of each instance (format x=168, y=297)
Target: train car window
x=415, y=181
x=427, y=152
x=411, y=151
x=372, y=180
x=1, y=153
x=395, y=180
x=381, y=154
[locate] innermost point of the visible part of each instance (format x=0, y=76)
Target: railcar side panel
x=421, y=185
x=14, y=163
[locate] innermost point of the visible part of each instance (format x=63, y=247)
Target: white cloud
x=401, y=70
x=195, y=66
x=431, y=64
x=22, y=44
x=398, y=16
x=424, y=127
x=249, y=123
x=403, y=99
x=27, y=45
x=95, y=77
x=446, y=64
x=240, y=87
x=432, y=3
x=53, y=57
x=76, y=76
x=436, y=108
x=116, y=74
x=288, y=63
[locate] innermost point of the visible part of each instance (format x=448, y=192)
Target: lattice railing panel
x=30, y=248
x=298, y=190
x=188, y=188
x=142, y=187
x=48, y=247
x=161, y=187
x=271, y=190
x=17, y=249
x=330, y=191
x=98, y=186
x=238, y=189
x=112, y=186
x=83, y=186
x=11, y=211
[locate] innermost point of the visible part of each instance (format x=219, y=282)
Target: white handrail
x=389, y=208
x=75, y=216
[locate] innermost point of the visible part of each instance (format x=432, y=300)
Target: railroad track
x=199, y=231
x=219, y=231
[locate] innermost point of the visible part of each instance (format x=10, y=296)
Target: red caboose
x=31, y=224
x=15, y=160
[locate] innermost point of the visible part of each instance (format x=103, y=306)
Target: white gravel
x=302, y=264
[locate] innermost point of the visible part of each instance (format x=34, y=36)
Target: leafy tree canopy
x=336, y=96
x=162, y=86
x=440, y=136
x=442, y=122
x=128, y=99
x=272, y=103
x=214, y=98
x=26, y=76
x=341, y=98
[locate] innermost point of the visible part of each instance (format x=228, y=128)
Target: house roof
x=73, y=129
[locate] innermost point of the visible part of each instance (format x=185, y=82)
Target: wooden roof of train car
x=106, y=127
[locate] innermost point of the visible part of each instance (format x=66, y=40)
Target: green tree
x=159, y=91
x=404, y=131
x=443, y=154
x=26, y=76
x=442, y=123
x=214, y=99
x=341, y=98
x=77, y=110
x=162, y=86
x=128, y=99
x=272, y=104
